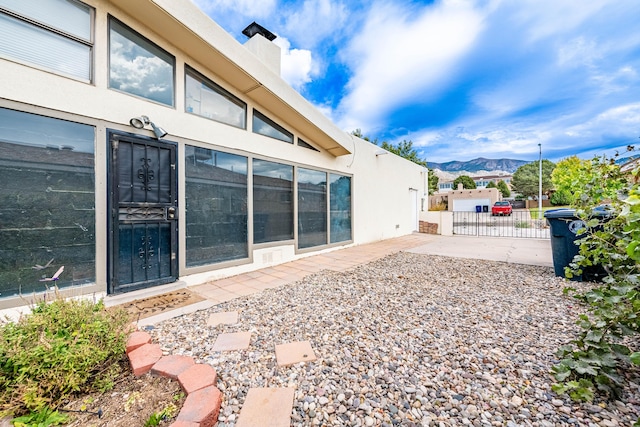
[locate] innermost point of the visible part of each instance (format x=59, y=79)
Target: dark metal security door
x=143, y=223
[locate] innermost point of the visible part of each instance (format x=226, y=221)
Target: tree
x=504, y=188
x=358, y=133
x=526, y=179
x=466, y=182
x=570, y=176
x=433, y=181
x=491, y=184
x=561, y=198
x=405, y=150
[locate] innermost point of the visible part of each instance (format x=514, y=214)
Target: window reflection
x=47, y=215
x=139, y=67
x=216, y=204
x=206, y=99
x=272, y=201
x=340, y=205
x=312, y=208
x=267, y=127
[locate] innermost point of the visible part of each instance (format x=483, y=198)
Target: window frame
x=89, y=43
x=192, y=264
x=290, y=199
x=110, y=20
x=304, y=144
x=53, y=121
x=273, y=124
x=309, y=247
x=195, y=74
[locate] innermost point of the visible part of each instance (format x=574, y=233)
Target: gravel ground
x=410, y=340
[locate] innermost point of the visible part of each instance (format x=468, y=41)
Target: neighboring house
x=483, y=181
x=140, y=144
x=480, y=181
x=464, y=200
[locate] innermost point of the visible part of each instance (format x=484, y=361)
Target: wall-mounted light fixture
x=142, y=121
x=381, y=153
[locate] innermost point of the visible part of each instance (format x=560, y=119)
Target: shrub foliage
x=607, y=345
x=61, y=348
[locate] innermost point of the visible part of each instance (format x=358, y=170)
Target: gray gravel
x=410, y=340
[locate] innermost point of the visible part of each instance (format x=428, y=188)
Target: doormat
x=151, y=306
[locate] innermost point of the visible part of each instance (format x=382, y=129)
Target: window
x=301, y=143
x=312, y=208
x=267, y=127
x=272, y=201
x=216, y=204
x=139, y=67
x=207, y=99
x=48, y=202
x=340, y=208
x=52, y=34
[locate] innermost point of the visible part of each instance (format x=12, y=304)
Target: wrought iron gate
x=518, y=224
x=143, y=223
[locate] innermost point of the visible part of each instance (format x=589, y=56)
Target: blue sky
x=462, y=79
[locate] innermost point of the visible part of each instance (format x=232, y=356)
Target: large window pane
x=216, y=203
x=139, y=67
x=47, y=202
x=272, y=201
x=65, y=15
x=312, y=208
x=267, y=127
x=340, y=205
x=206, y=99
x=29, y=37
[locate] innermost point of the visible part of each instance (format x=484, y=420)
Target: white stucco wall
x=383, y=186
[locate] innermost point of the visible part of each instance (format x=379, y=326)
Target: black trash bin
x=565, y=226
x=485, y=208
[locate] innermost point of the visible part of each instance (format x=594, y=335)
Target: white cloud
x=400, y=53
x=545, y=18
x=621, y=119
x=460, y=143
x=578, y=51
x=297, y=64
x=256, y=8
x=315, y=20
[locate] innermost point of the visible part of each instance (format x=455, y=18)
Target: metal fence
x=518, y=224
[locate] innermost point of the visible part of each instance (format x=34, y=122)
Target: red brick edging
x=202, y=405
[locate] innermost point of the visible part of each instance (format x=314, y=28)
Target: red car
x=501, y=208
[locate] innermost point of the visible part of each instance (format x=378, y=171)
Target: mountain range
x=479, y=165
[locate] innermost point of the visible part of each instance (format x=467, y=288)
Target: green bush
x=61, y=348
x=598, y=360
x=561, y=198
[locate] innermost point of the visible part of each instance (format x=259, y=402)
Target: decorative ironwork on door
x=144, y=221
x=146, y=174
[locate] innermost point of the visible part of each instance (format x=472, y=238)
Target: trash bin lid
x=560, y=213
x=563, y=213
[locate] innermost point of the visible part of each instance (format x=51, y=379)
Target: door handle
x=171, y=213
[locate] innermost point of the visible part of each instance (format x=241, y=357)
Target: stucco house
x=481, y=182
x=142, y=145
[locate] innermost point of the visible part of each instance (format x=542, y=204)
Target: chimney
x=460, y=186
x=260, y=45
